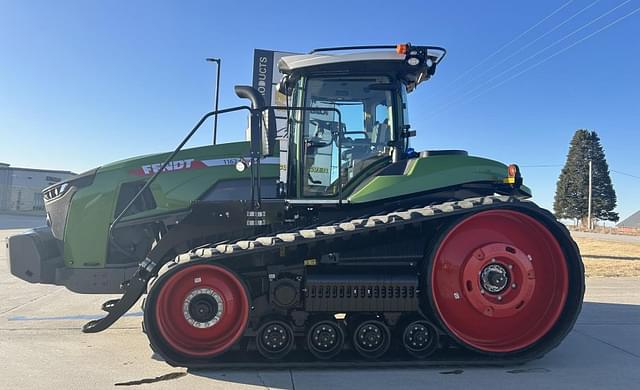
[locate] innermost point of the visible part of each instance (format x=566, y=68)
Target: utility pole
x=590, y=186
x=215, y=117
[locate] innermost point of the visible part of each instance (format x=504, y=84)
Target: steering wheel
x=332, y=126
x=317, y=141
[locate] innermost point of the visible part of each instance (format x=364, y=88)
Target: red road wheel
x=499, y=281
x=201, y=310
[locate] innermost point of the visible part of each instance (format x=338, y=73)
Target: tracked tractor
x=328, y=240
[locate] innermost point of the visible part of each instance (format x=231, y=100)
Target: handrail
x=149, y=181
x=162, y=167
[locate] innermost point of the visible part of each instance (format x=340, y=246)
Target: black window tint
x=128, y=191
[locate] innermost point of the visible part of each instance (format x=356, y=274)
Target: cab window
x=349, y=129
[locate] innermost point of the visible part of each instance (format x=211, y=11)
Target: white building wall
x=21, y=188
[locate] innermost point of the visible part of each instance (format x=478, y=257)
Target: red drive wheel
x=201, y=310
x=499, y=281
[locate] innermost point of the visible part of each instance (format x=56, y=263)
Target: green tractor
x=327, y=240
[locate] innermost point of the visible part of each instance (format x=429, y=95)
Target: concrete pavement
x=12, y=221
x=42, y=348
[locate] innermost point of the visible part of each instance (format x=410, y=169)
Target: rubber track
x=284, y=241
x=342, y=230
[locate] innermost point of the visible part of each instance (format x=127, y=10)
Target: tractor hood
x=434, y=171
x=81, y=210
x=187, y=159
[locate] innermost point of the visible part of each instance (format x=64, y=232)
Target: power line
x=562, y=165
x=625, y=174
x=471, y=91
x=487, y=70
x=485, y=59
x=556, y=53
x=448, y=106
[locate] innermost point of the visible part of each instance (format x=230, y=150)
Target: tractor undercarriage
x=396, y=288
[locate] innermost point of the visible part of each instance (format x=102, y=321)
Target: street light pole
x=215, y=117
x=589, y=207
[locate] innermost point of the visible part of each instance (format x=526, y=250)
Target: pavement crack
x=293, y=383
x=608, y=343
x=30, y=301
x=166, y=377
x=264, y=384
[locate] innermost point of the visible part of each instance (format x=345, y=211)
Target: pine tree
x=603, y=195
x=572, y=191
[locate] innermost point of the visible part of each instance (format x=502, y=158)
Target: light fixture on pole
x=215, y=117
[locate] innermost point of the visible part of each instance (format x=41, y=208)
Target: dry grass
x=610, y=268
x=609, y=258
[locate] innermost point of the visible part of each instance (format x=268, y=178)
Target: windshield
x=336, y=148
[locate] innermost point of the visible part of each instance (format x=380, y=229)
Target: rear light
x=513, y=175
x=401, y=48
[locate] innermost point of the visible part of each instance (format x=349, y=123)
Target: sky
x=84, y=83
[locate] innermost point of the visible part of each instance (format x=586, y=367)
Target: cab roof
x=288, y=64
x=364, y=60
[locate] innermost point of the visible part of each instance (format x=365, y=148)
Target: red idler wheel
x=201, y=310
x=499, y=281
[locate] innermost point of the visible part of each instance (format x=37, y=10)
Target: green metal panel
x=431, y=173
x=93, y=207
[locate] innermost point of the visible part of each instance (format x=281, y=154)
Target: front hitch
x=116, y=308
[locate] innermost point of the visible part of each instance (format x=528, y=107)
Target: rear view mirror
x=284, y=87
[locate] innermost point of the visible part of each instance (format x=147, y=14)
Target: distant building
x=633, y=222
x=21, y=188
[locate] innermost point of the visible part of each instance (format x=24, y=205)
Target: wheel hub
x=370, y=337
x=324, y=337
x=420, y=338
x=417, y=337
x=275, y=337
x=504, y=280
x=203, y=308
x=494, y=278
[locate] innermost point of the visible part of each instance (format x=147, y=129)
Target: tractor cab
x=348, y=113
